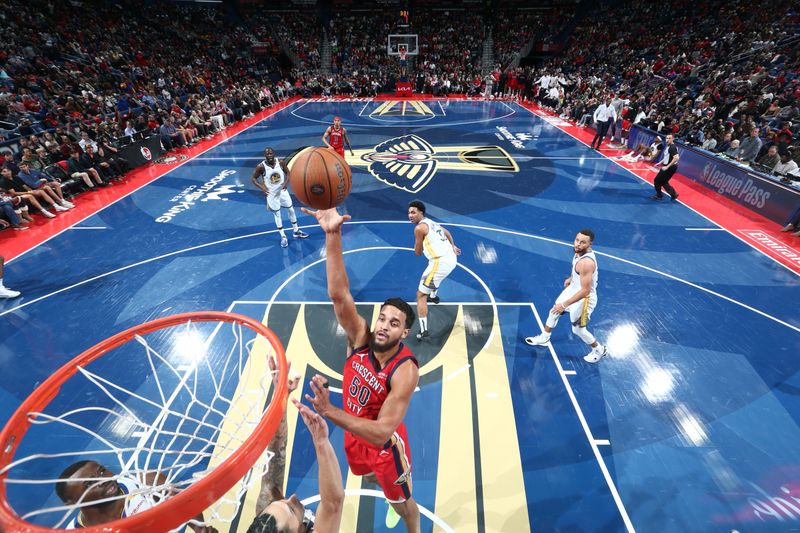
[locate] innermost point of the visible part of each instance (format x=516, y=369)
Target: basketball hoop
x=190, y=400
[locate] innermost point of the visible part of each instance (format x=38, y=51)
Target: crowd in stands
x=450, y=47
x=301, y=33
x=358, y=43
x=721, y=75
x=513, y=29
x=74, y=82
x=718, y=74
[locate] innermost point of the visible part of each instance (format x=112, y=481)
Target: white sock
x=293, y=219
x=584, y=335
x=278, y=221
x=423, y=323
x=433, y=293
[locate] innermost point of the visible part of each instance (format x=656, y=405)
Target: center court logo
x=210, y=190
x=410, y=162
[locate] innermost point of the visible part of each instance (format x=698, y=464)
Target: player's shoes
x=596, y=354
x=284, y=241
x=392, y=518
x=539, y=340
x=5, y=292
x=433, y=299
x=423, y=335
x=300, y=234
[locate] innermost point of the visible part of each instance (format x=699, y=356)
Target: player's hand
x=567, y=282
x=316, y=424
x=292, y=380
x=321, y=398
x=329, y=219
x=457, y=250
x=557, y=309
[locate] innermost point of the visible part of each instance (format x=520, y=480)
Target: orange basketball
x=320, y=178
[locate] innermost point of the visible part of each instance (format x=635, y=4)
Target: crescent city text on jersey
x=370, y=380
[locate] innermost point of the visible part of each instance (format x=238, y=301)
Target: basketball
x=320, y=178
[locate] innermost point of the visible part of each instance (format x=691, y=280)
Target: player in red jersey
x=380, y=375
x=335, y=137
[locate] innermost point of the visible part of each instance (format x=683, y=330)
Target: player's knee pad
x=552, y=320
x=583, y=334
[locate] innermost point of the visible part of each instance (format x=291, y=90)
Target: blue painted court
x=691, y=424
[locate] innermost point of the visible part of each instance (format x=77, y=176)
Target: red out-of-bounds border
x=15, y=243
x=757, y=231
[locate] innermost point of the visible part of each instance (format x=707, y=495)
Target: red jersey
x=366, y=386
x=336, y=139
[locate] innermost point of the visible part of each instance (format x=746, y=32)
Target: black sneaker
x=423, y=335
x=656, y=197
x=674, y=198
x=433, y=299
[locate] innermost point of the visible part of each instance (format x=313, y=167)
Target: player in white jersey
x=431, y=239
x=578, y=298
x=82, y=483
x=275, y=180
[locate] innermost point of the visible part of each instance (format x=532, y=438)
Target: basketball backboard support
x=396, y=41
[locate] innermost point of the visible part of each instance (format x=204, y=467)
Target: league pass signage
x=735, y=182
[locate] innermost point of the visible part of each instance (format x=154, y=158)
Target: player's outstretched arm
x=353, y=324
x=380, y=430
x=272, y=482
x=331, y=489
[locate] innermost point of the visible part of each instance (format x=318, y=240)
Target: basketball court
x=691, y=424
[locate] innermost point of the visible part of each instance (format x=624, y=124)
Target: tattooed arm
x=272, y=482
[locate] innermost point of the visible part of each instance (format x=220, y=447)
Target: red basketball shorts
x=391, y=465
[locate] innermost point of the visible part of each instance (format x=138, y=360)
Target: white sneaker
x=284, y=241
x=59, y=208
x=68, y=205
x=597, y=353
x=539, y=340
x=5, y=292
x=47, y=213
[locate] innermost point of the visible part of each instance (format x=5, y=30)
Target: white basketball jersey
x=575, y=282
x=273, y=177
x=134, y=503
x=435, y=244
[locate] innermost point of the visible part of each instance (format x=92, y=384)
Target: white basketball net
x=195, y=415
